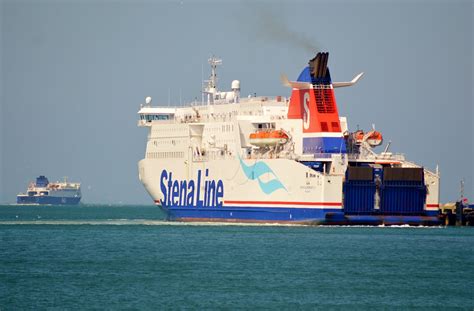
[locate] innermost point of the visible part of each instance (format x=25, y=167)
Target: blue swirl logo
x=258, y=169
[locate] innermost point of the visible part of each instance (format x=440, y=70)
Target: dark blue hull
x=249, y=214
x=312, y=216
x=48, y=200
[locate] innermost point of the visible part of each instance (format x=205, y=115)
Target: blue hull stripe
x=47, y=200
x=251, y=213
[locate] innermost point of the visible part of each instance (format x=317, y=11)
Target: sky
x=73, y=74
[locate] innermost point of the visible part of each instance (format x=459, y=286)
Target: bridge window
x=155, y=117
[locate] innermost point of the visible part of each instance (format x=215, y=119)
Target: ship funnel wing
x=295, y=84
x=343, y=84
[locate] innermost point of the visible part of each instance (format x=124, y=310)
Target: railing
x=322, y=155
x=353, y=156
x=291, y=156
x=395, y=157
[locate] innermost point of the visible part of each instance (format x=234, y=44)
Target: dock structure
x=457, y=213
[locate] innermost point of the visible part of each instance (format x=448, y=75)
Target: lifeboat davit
x=268, y=138
x=359, y=136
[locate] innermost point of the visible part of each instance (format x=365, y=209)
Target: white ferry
x=275, y=159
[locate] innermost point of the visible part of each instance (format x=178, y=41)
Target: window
x=324, y=127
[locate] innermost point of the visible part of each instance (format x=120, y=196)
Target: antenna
x=169, y=96
x=214, y=62
x=202, y=83
x=388, y=146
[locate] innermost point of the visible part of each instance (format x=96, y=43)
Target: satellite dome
x=235, y=85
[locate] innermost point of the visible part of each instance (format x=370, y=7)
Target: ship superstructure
x=278, y=159
x=44, y=192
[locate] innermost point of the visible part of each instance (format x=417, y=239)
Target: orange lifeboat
x=373, y=138
x=268, y=138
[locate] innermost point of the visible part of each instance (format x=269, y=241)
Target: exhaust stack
x=313, y=101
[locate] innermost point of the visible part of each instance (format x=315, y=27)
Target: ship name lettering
x=187, y=193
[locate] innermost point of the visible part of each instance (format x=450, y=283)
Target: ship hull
x=250, y=214
x=48, y=200
x=302, y=216
x=300, y=196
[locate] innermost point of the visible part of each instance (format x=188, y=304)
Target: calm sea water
x=128, y=257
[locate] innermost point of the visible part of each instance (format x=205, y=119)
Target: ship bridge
x=147, y=114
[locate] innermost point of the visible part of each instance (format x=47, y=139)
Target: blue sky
x=73, y=74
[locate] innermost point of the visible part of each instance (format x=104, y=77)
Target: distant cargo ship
x=277, y=159
x=44, y=192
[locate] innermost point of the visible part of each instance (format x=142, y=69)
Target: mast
x=211, y=88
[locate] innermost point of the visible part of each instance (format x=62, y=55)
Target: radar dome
x=148, y=100
x=235, y=85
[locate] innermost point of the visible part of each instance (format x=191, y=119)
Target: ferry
x=43, y=192
x=277, y=159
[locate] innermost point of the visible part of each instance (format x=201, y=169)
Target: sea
x=107, y=257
